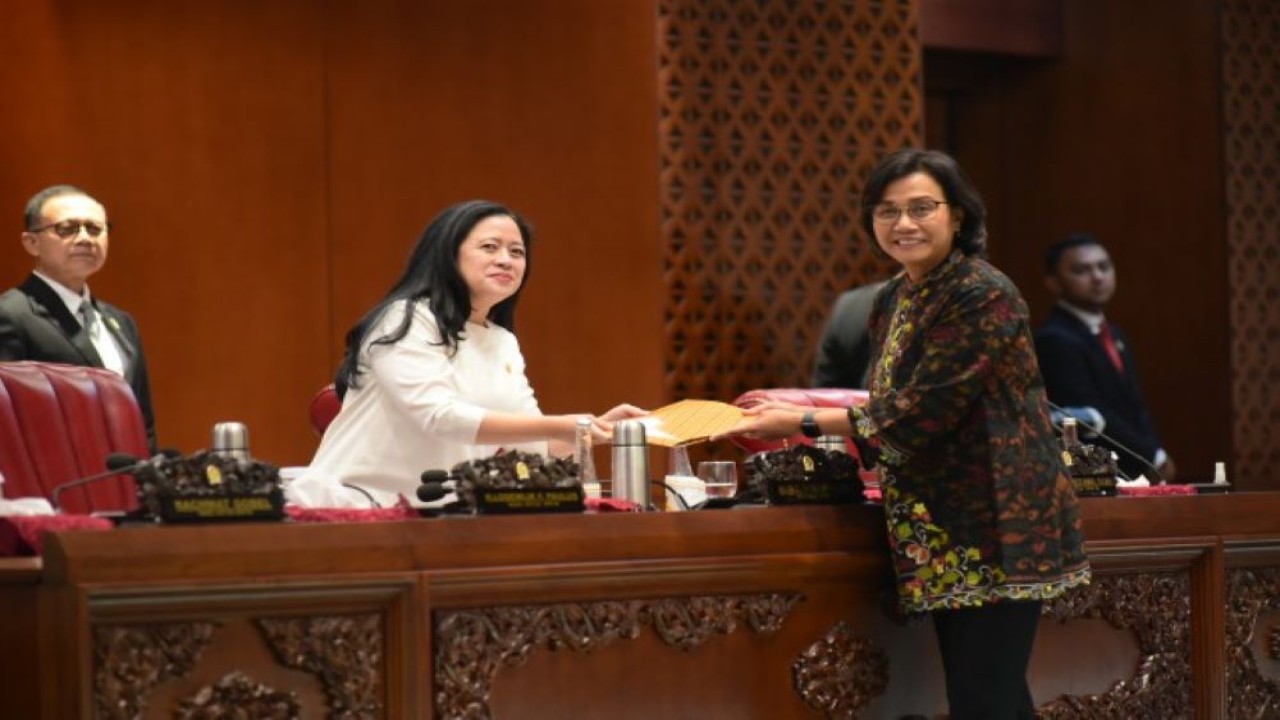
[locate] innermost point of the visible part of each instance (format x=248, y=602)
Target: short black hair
x=35, y=206
x=1053, y=256
x=971, y=239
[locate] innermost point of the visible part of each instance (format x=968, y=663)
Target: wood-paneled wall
x=771, y=119
x=1251, y=117
x=1120, y=135
x=268, y=166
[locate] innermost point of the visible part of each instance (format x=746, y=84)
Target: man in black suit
x=1086, y=361
x=52, y=316
x=844, y=353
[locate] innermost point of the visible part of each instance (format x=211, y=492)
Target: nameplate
x=220, y=507
x=506, y=501
x=813, y=492
x=1094, y=485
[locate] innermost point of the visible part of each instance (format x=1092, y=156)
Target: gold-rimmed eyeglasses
x=68, y=229
x=917, y=210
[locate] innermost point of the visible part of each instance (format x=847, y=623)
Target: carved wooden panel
x=840, y=674
x=771, y=114
x=473, y=645
x=1251, y=116
x=129, y=661
x=1251, y=592
x=1156, y=608
x=238, y=696
x=344, y=651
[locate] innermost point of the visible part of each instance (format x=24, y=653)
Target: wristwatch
x=809, y=426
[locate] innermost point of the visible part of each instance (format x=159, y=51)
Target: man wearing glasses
x=52, y=316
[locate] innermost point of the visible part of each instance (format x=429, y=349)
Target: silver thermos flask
x=630, y=463
x=231, y=439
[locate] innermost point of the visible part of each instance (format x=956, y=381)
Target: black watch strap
x=809, y=426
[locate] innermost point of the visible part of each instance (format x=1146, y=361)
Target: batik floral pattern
x=978, y=505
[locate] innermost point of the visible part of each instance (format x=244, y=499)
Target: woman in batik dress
x=982, y=517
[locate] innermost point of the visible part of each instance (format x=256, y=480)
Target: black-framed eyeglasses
x=917, y=210
x=68, y=229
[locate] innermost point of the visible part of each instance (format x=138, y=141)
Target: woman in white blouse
x=433, y=374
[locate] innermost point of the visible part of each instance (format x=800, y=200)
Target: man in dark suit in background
x=844, y=352
x=51, y=316
x=1086, y=361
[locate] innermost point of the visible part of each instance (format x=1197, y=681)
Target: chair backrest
x=59, y=423
x=810, y=397
x=324, y=408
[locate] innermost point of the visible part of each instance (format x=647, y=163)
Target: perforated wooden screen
x=772, y=113
x=1251, y=113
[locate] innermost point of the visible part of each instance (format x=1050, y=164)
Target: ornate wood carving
x=770, y=114
x=1156, y=607
x=344, y=651
x=1251, y=592
x=840, y=674
x=131, y=660
x=689, y=623
x=237, y=696
x=473, y=645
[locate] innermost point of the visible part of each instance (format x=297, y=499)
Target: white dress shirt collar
x=109, y=350
x=70, y=298
x=1091, y=320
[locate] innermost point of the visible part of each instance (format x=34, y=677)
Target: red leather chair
x=809, y=397
x=324, y=408
x=59, y=423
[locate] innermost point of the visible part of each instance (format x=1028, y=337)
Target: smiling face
x=918, y=238
x=492, y=262
x=70, y=260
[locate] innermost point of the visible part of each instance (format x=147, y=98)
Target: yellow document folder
x=689, y=421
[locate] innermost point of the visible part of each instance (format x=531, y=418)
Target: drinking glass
x=721, y=477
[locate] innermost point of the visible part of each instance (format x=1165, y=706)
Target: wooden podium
x=746, y=613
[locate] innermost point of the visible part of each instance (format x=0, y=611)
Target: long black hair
x=432, y=275
x=971, y=239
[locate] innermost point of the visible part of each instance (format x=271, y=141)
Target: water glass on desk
x=721, y=477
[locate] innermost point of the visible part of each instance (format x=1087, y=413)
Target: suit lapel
x=46, y=304
x=1097, y=354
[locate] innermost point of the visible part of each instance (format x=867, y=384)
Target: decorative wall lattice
x=1251, y=114
x=772, y=113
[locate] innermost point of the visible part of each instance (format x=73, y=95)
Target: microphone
x=1067, y=412
x=435, y=476
x=435, y=485
x=431, y=492
x=117, y=464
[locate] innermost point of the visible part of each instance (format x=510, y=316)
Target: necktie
x=88, y=316
x=1109, y=344
x=108, y=347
